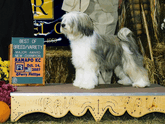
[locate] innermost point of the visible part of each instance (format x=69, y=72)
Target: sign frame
x=11, y=66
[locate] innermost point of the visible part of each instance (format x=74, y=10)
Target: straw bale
x=152, y=74
x=159, y=53
x=58, y=66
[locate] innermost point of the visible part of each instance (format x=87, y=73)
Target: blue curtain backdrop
x=49, y=29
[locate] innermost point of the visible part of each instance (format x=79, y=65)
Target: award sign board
x=27, y=61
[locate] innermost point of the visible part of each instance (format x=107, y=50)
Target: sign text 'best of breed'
x=27, y=61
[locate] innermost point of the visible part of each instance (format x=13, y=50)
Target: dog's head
x=76, y=24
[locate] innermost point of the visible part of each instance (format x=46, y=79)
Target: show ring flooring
x=58, y=99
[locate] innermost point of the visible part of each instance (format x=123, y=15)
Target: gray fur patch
x=108, y=52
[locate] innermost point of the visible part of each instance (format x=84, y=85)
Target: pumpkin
x=4, y=112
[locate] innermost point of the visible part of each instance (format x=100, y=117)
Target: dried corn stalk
x=135, y=9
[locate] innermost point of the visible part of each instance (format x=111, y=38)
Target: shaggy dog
x=92, y=53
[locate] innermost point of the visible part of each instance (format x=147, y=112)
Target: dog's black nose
x=63, y=25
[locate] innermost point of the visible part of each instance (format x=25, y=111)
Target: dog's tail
x=125, y=34
x=127, y=37
x=129, y=43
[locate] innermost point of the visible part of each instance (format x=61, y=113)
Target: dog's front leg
x=90, y=79
x=79, y=77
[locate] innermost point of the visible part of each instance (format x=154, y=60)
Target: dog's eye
x=63, y=25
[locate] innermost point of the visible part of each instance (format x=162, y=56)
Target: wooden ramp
x=58, y=99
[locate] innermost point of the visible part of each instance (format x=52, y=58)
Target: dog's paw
x=125, y=81
x=141, y=83
x=87, y=86
x=136, y=85
x=76, y=83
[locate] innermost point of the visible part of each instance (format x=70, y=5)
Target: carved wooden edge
x=59, y=106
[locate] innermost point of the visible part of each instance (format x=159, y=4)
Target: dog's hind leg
x=124, y=79
x=137, y=74
x=140, y=77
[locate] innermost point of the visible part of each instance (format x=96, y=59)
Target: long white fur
x=78, y=28
x=85, y=63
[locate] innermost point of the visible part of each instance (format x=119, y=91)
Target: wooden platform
x=58, y=99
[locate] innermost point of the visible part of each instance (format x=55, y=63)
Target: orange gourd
x=4, y=112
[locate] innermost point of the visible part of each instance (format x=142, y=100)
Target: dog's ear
x=87, y=31
x=85, y=26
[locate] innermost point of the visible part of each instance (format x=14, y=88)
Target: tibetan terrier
x=92, y=53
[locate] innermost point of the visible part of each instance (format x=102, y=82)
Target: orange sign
x=27, y=67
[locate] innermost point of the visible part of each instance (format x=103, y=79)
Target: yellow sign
x=42, y=9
